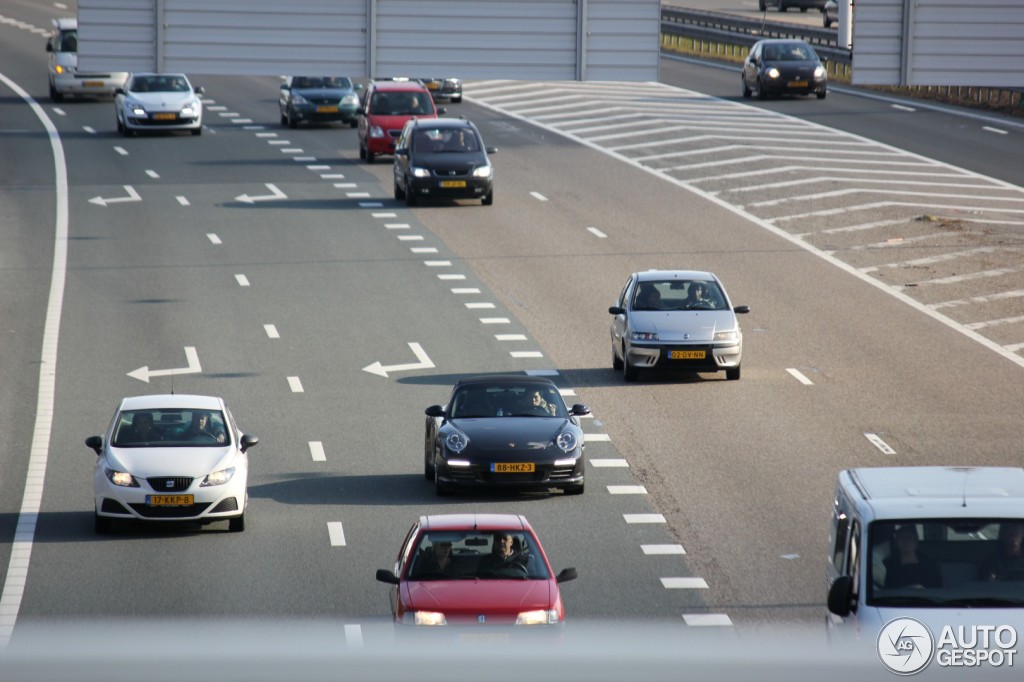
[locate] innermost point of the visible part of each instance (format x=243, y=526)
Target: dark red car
x=474, y=570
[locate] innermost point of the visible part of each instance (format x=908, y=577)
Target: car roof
x=65, y=23
x=180, y=401
x=443, y=122
x=480, y=522
x=505, y=379
x=157, y=73
x=400, y=86
x=657, y=275
x=932, y=491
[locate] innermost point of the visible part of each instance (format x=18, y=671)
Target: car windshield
x=159, y=84
x=678, y=295
x=946, y=562
x=508, y=400
x=789, y=52
x=68, y=41
x=477, y=555
x=445, y=141
x=401, y=103
x=321, y=82
x=170, y=428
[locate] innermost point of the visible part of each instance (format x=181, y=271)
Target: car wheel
x=120, y=126
x=760, y=6
x=354, y=123
x=410, y=197
x=574, y=489
x=746, y=90
x=732, y=374
x=284, y=119
x=126, y=131
x=428, y=467
x=54, y=95
x=370, y=156
x=103, y=524
x=629, y=372
x=237, y=525
x=782, y=6
x=488, y=198
x=821, y=95
x=457, y=100
x=762, y=94
x=292, y=121
x=399, y=192
x=440, y=489
x=197, y=131
x=362, y=152
x=616, y=361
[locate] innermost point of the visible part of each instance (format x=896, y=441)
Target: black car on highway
x=783, y=67
x=511, y=432
x=442, y=158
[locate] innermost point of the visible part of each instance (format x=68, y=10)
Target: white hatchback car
x=171, y=458
x=676, y=319
x=158, y=101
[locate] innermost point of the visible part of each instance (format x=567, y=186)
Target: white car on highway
x=171, y=458
x=158, y=101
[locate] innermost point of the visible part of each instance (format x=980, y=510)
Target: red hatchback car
x=474, y=570
x=384, y=110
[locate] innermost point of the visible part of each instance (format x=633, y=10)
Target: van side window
x=853, y=557
x=842, y=528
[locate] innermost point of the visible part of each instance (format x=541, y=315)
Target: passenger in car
x=141, y=430
x=905, y=566
x=1007, y=563
x=437, y=561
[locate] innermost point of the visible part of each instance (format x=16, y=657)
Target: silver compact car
x=158, y=101
x=676, y=319
x=171, y=458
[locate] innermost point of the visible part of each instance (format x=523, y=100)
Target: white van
x=65, y=79
x=941, y=545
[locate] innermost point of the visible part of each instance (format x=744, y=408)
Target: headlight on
x=350, y=100
x=456, y=442
x=482, y=172
x=644, y=336
x=420, y=172
x=727, y=336
x=121, y=478
x=566, y=441
x=137, y=109
x=819, y=72
x=218, y=477
x=376, y=131
x=429, y=618
x=546, y=617
x=187, y=111
x=59, y=69
x=773, y=73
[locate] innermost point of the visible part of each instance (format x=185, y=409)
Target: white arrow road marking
x=382, y=370
x=144, y=373
x=276, y=194
x=132, y=196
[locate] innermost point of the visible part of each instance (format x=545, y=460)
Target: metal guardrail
x=724, y=28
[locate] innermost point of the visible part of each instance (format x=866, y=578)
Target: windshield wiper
x=986, y=601
x=906, y=600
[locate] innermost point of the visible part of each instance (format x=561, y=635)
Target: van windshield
x=946, y=563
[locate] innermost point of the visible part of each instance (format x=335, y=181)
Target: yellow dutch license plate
x=453, y=183
x=513, y=467
x=169, y=500
x=94, y=84
x=327, y=110
x=686, y=355
x=433, y=86
x=165, y=117
x=798, y=84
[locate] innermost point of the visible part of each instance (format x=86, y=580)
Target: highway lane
x=315, y=275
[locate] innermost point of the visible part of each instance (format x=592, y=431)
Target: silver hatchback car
x=676, y=319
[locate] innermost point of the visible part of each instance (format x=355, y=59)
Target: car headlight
x=819, y=72
x=773, y=73
x=482, y=171
x=545, y=617
x=190, y=109
x=59, y=69
x=376, y=131
x=726, y=336
x=456, y=442
x=121, y=478
x=218, y=477
x=429, y=618
x=299, y=99
x=644, y=336
x=136, y=109
x=350, y=100
x=420, y=172
x=566, y=441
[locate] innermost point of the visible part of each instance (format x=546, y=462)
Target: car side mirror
x=119, y=91
x=441, y=110
x=401, y=151
x=386, y=576
x=200, y=90
x=284, y=86
x=95, y=442
x=840, y=596
x=566, y=575
x=616, y=310
x=579, y=410
x=741, y=309
x=434, y=411
x=248, y=442
x=492, y=150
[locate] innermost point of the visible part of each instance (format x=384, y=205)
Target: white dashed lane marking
x=877, y=441
x=523, y=354
x=451, y=277
x=480, y=306
x=800, y=376
x=153, y=174
x=707, y=619
x=663, y=549
x=271, y=331
x=510, y=337
x=597, y=233
x=643, y=518
x=609, y=463
x=242, y=280
x=336, y=533
x=465, y=290
x=121, y=150
x=214, y=239
x=397, y=226
x=494, y=320
x=182, y=200
x=684, y=583
x=627, y=490
x=295, y=385
x=410, y=237
x=316, y=451
x=597, y=437
x=423, y=249
x=442, y=264
x=538, y=196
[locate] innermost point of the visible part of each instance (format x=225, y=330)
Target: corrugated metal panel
x=939, y=42
x=518, y=39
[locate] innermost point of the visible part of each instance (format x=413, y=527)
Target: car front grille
x=443, y=173
x=169, y=484
x=183, y=512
